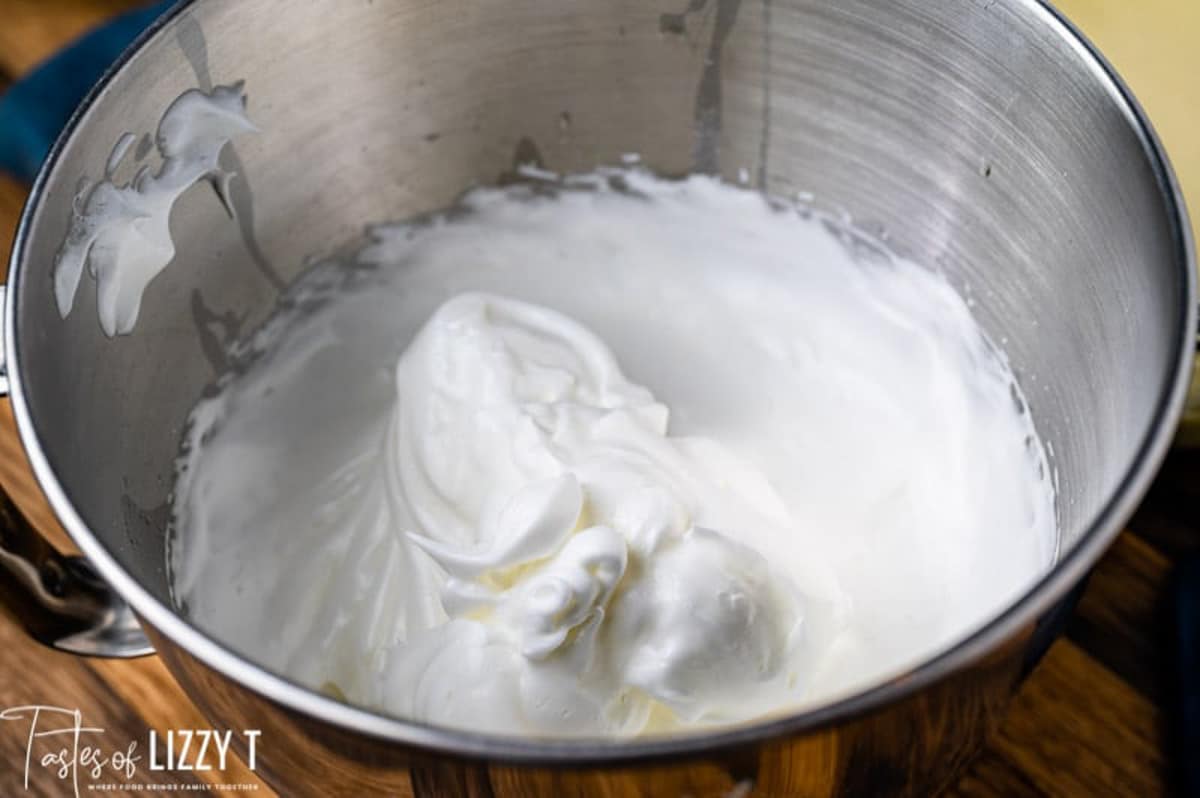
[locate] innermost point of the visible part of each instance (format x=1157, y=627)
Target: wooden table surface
x=1092, y=719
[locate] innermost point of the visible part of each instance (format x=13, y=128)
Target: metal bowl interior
x=984, y=139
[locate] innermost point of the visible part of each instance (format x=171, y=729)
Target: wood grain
x=1089, y=721
x=32, y=30
x=1121, y=618
x=1079, y=721
x=12, y=198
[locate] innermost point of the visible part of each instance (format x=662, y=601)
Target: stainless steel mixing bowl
x=984, y=138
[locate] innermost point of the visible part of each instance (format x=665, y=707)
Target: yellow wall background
x=1155, y=46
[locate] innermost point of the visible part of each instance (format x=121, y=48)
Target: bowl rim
x=1035, y=602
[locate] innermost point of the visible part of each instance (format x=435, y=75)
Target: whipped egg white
x=615, y=456
x=584, y=577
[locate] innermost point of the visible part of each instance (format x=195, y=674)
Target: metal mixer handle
x=59, y=599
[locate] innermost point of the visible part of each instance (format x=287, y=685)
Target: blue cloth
x=34, y=110
x=1187, y=655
